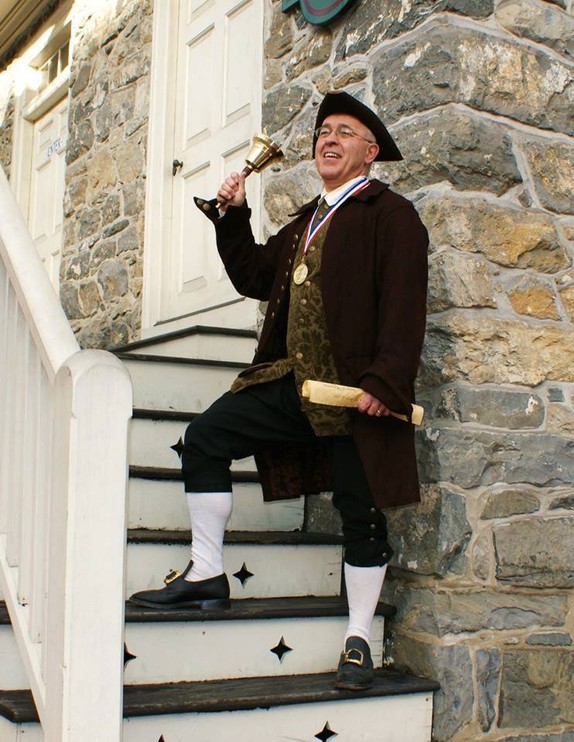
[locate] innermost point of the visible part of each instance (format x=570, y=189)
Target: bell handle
x=244, y=173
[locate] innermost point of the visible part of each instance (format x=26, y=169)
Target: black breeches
x=242, y=424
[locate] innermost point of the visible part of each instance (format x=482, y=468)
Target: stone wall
x=102, y=263
x=479, y=95
x=6, y=131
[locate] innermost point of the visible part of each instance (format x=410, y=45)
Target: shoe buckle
x=173, y=575
x=351, y=657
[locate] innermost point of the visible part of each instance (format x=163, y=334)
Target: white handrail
x=63, y=476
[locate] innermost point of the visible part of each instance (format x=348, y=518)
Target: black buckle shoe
x=181, y=593
x=355, y=671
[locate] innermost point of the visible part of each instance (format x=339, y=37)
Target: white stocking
x=208, y=513
x=364, y=586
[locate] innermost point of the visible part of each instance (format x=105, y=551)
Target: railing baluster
x=29, y=461
x=4, y=448
x=18, y=354
x=43, y=447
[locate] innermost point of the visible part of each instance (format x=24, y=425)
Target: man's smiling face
x=337, y=158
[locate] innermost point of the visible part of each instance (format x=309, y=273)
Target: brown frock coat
x=374, y=279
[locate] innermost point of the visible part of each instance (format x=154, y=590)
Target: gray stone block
x=536, y=552
x=551, y=164
x=371, y=26
x=430, y=538
x=478, y=458
x=486, y=349
x=495, y=408
x=488, y=682
x=536, y=688
x=459, y=280
x=458, y=611
x=455, y=146
x=505, y=235
x=451, y=667
x=282, y=105
x=555, y=639
x=536, y=20
x=562, y=503
x=446, y=63
x=510, y=502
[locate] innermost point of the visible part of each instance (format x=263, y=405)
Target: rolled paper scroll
x=337, y=395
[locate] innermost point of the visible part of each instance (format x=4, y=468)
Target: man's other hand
x=372, y=406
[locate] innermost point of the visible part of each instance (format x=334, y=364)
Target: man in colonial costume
x=346, y=285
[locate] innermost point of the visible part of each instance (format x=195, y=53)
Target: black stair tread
x=252, y=693
x=164, y=474
x=18, y=706
x=254, y=608
x=144, y=414
x=151, y=358
x=188, y=331
x=231, y=695
x=274, y=538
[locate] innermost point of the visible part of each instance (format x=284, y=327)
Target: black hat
x=345, y=103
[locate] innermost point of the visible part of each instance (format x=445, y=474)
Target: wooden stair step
x=187, y=384
x=232, y=695
x=254, y=608
x=287, y=538
x=252, y=638
x=164, y=474
x=179, y=360
x=252, y=693
x=259, y=564
x=155, y=502
x=221, y=343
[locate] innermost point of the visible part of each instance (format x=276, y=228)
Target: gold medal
x=300, y=274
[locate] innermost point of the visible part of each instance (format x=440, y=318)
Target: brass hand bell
x=263, y=152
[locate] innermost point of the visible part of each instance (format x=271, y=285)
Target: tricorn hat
x=344, y=103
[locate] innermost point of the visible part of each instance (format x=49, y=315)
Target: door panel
x=46, y=207
x=217, y=111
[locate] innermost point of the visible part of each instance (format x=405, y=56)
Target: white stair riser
x=163, y=504
x=178, y=386
x=12, y=673
x=312, y=570
x=212, y=347
x=172, y=652
x=10, y=732
x=392, y=719
x=150, y=444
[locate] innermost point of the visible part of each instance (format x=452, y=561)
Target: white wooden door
x=217, y=111
x=46, y=206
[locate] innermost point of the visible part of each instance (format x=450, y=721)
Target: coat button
x=373, y=510
x=299, y=356
x=373, y=526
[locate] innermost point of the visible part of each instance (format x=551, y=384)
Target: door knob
x=175, y=166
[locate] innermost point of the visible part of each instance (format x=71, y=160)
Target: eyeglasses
x=342, y=132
